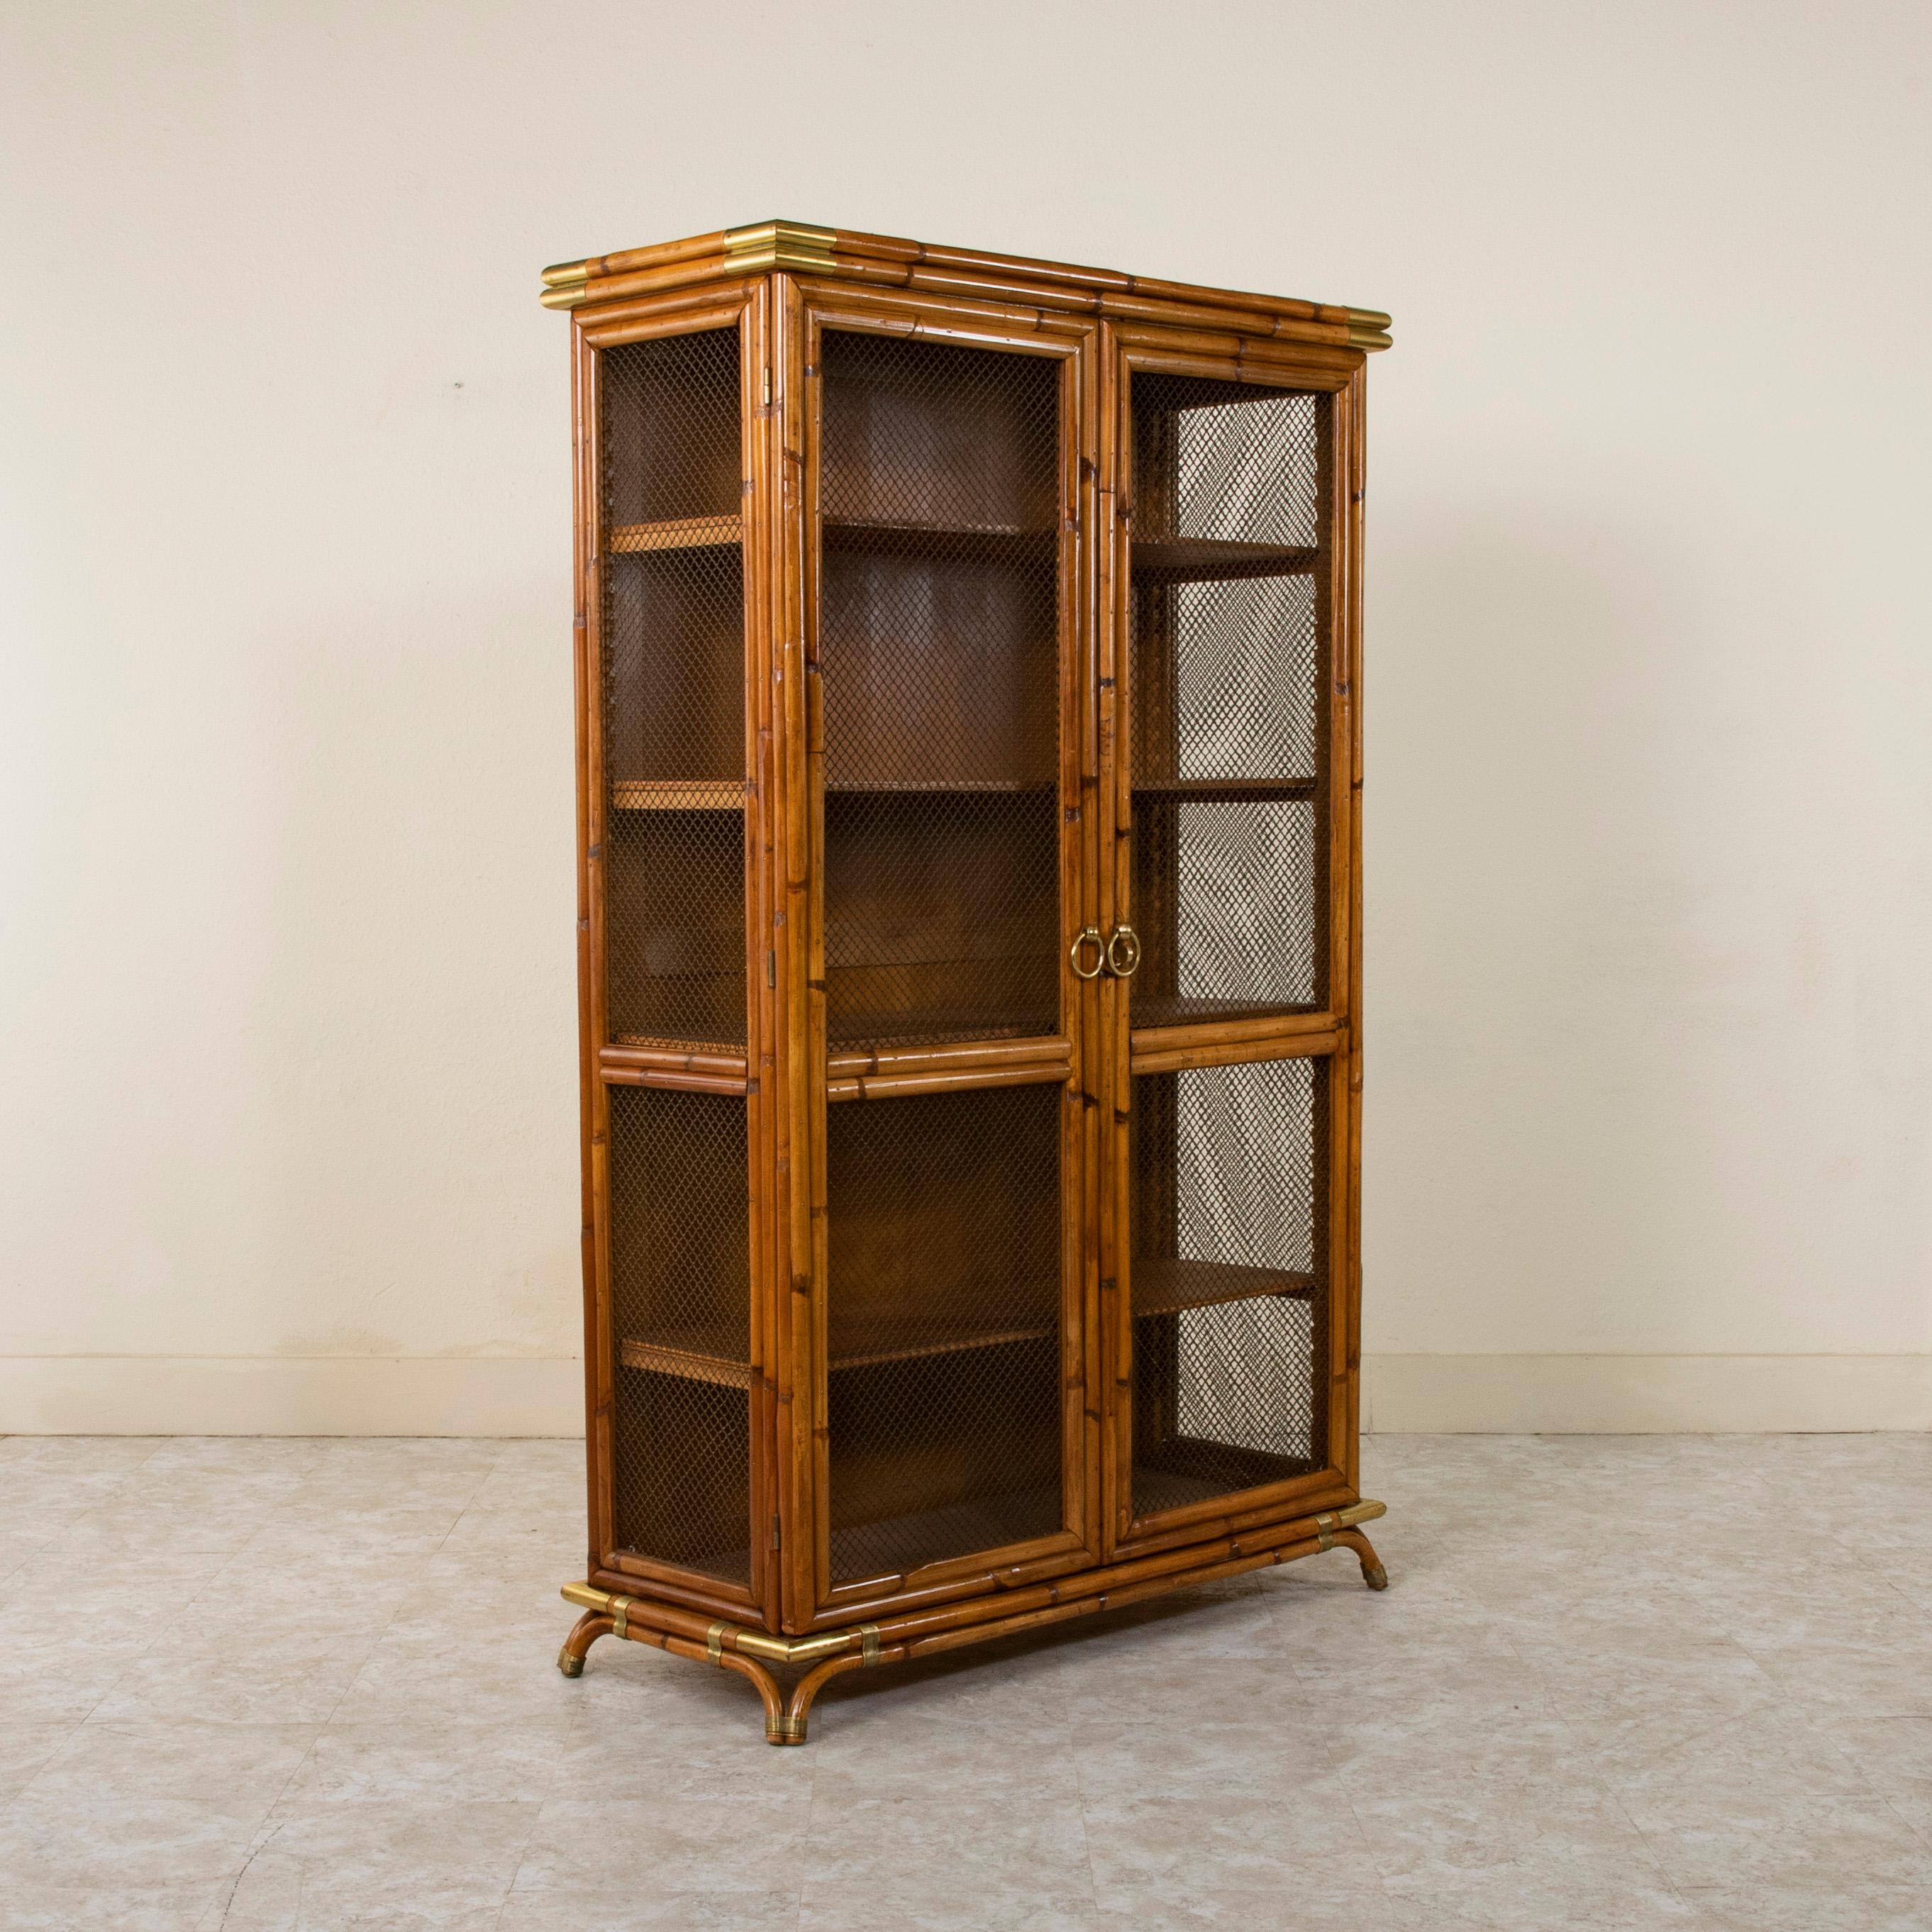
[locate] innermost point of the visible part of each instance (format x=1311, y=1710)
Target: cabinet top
x=886, y=262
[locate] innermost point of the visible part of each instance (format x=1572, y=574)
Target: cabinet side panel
x=680, y=1304
x=673, y=660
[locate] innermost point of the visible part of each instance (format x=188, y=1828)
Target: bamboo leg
x=590, y=1626
x=771, y=1693
x=584, y=1633
x=1373, y=1574
x=791, y=1730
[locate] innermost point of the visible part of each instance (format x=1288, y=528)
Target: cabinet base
x=758, y=1656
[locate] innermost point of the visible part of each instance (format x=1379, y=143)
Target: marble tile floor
x=1621, y=1683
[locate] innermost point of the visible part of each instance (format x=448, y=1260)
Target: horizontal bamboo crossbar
x=687, y=1069
x=1235, y=1053
x=1222, y=1033
x=954, y=1080
x=852, y=1062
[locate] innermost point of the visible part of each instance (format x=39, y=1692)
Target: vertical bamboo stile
x=1076, y=454
x=584, y=495
x=1357, y=474
x=1337, y=669
x=761, y=988
x=1115, y=756
x=792, y=390
x=594, y=1020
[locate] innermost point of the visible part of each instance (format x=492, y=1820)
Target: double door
x=1017, y=900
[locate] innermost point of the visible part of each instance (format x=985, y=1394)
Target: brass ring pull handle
x=1093, y=933
x=1133, y=940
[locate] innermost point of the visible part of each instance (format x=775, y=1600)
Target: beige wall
x=287, y=1137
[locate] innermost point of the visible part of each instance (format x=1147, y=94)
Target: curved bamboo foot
x=588, y=1628
x=1373, y=1574
x=791, y=1727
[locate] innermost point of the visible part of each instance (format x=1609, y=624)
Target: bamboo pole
x=1222, y=1033
x=899, y=1086
x=850, y=1063
x=1240, y=1052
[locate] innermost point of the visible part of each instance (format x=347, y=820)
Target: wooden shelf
x=934, y=1026
x=1166, y=1286
x=682, y=533
x=941, y=788
x=1161, y=1287
x=678, y=794
x=1205, y=559
x=913, y=1341
x=989, y=543
x=693, y=1356
x=1240, y=791
x=985, y=1523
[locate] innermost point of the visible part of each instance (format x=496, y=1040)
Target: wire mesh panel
x=1227, y=1173
x=943, y=1326
x=673, y=629
x=680, y=1311
x=939, y=664
x=1229, y=636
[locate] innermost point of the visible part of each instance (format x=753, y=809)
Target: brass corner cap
x=563, y=284
x=779, y=245
x=1369, y=328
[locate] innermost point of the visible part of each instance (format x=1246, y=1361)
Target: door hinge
x=771, y=969
x=775, y=1533
x=768, y=388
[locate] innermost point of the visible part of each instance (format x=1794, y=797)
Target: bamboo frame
x=781, y=284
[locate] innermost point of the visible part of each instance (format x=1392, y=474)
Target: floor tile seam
x=573, y=1723
x=259, y=1844
x=1923, y=1836
x=1808, y=1721
x=362, y=1669
x=1080, y=1805
x=78, y=1724
x=1368, y=1857
x=1663, y=1871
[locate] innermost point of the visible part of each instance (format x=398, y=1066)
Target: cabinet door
x=1229, y=937
x=940, y=536
x=667, y=426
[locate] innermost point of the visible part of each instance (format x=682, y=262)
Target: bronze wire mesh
x=673, y=631
x=939, y=661
x=943, y=1326
x=1227, y=1165
x=1229, y=688
x=680, y=1283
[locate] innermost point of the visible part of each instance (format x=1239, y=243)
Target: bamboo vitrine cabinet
x=968, y=686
